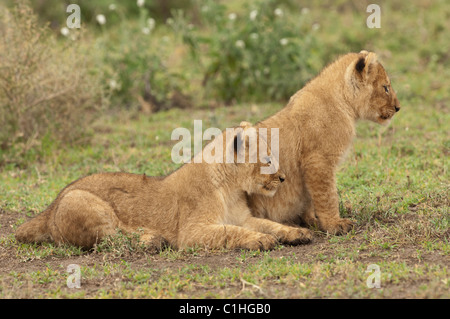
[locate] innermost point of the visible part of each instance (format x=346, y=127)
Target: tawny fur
x=199, y=204
x=316, y=129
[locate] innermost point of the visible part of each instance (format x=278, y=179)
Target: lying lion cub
x=199, y=204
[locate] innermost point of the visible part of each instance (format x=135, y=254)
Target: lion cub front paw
x=339, y=226
x=295, y=236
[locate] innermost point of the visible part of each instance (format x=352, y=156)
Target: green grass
x=270, y=277
x=402, y=223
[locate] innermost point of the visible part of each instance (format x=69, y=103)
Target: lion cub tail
x=35, y=230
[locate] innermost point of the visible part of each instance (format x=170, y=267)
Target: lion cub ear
x=238, y=141
x=364, y=63
x=249, y=132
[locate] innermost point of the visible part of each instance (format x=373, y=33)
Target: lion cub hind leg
x=155, y=241
x=226, y=236
x=285, y=234
x=82, y=219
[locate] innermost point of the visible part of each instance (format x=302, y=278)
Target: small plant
x=136, y=67
x=263, y=54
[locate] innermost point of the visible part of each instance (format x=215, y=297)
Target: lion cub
x=316, y=131
x=198, y=204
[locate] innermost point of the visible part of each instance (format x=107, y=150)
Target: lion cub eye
x=386, y=88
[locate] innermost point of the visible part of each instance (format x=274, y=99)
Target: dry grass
x=46, y=91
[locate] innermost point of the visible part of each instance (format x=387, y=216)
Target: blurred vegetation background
x=106, y=97
x=152, y=55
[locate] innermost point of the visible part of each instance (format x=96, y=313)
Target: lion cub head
x=255, y=163
x=371, y=90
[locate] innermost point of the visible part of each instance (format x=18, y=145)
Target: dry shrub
x=47, y=90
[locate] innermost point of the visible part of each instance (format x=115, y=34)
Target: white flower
x=113, y=84
x=254, y=36
x=253, y=14
x=232, y=16
x=100, y=19
x=112, y=7
x=240, y=44
x=278, y=12
x=315, y=26
x=205, y=8
x=146, y=30
x=284, y=41
x=140, y=3
x=305, y=11
x=65, y=31
x=151, y=23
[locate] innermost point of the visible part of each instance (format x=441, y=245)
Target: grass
x=394, y=184
x=267, y=276
x=401, y=222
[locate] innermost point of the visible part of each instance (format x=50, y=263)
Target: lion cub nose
x=282, y=178
x=397, y=108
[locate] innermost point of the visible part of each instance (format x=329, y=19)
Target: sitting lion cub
x=199, y=204
x=316, y=130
